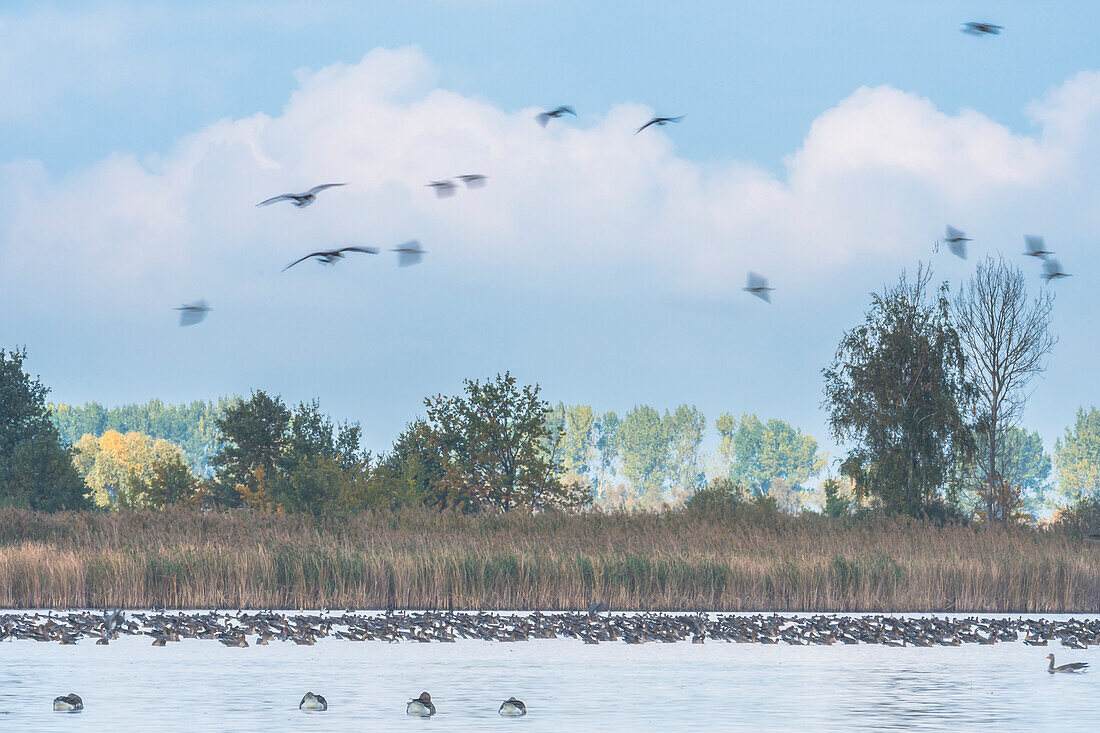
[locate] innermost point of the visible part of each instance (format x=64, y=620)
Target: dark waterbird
x=543, y=117
x=473, y=180
x=1052, y=270
x=313, y=702
x=1036, y=247
x=1065, y=668
x=192, y=313
x=758, y=286
x=975, y=28
x=328, y=256
x=70, y=703
x=421, y=707
x=659, y=121
x=956, y=242
x=409, y=253
x=443, y=189
x=301, y=200
x=512, y=708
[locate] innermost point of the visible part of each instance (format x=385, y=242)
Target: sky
x=825, y=146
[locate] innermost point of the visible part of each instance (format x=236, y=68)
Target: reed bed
x=744, y=561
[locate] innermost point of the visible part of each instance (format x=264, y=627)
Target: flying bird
x=192, y=313
x=443, y=189
x=758, y=286
x=473, y=180
x=301, y=200
x=659, y=121
x=1052, y=270
x=982, y=29
x=1036, y=247
x=956, y=242
x=328, y=256
x=409, y=253
x=543, y=117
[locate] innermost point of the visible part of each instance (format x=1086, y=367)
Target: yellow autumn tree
x=117, y=468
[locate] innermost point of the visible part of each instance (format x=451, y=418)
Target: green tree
x=253, y=435
x=496, y=447
x=768, y=456
x=576, y=425
x=1077, y=455
x=412, y=473
x=685, y=429
x=35, y=470
x=172, y=483
x=643, y=446
x=1022, y=465
x=897, y=391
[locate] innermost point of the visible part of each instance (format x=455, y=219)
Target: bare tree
x=1006, y=339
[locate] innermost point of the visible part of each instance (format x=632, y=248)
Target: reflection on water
x=567, y=685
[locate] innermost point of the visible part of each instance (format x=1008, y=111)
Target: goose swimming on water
x=512, y=708
x=421, y=707
x=313, y=702
x=1064, y=668
x=70, y=703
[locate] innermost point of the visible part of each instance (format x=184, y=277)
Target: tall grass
x=742, y=561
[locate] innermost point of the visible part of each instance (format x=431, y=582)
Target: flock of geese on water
x=592, y=627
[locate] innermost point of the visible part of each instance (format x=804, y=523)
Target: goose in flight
x=1036, y=247
x=982, y=29
x=543, y=117
x=192, y=313
x=443, y=189
x=1064, y=668
x=1052, y=270
x=409, y=253
x=758, y=286
x=328, y=256
x=956, y=242
x=473, y=180
x=301, y=200
x=659, y=121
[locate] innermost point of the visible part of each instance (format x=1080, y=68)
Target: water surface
x=200, y=685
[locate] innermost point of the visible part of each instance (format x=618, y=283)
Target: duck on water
x=421, y=707
x=70, y=703
x=313, y=702
x=512, y=708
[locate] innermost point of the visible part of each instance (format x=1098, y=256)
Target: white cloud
x=582, y=200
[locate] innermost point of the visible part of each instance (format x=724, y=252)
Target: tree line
x=926, y=395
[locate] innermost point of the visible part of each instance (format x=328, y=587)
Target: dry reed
x=741, y=562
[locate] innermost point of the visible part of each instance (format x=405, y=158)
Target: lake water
x=199, y=685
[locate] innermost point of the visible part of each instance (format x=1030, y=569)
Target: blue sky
x=823, y=145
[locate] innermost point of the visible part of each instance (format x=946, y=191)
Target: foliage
x=642, y=439
x=685, y=429
x=117, y=469
x=897, y=391
x=769, y=458
x=1077, y=455
x=191, y=426
x=497, y=449
x=1022, y=463
x=720, y=495
x=836, y=505
x=35, y=470
x=253, y=436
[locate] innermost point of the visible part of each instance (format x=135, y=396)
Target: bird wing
x=651, y=122
x=567, y=109
x=364, y=250
x=675, y=119
x=1052, y=267
x=280, y=197
x=958, y=249
x=300, y=259
x=409, y=253
x=323, y=186
x=1034, y=243
x=189, y=317
x=953, y=233
x=756, y=280
x=542, y=118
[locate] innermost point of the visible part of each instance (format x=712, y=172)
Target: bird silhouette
x=328, y=256
x=758, y=286
x=301, y=200
x=956, y=242
x=409, y=253
x=982, y=29
x=473, y=180
x=659, y=121
x=443, y=189
x=1052, y=270
x=192, y=313
x=543, y=117
x=1036, y=247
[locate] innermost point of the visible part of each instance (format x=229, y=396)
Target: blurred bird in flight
x=328, y=256
x=758, y=286
x=543, y=117
x=301, y=200
x=408, y=253
x=659, y=121
x=192, y=313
